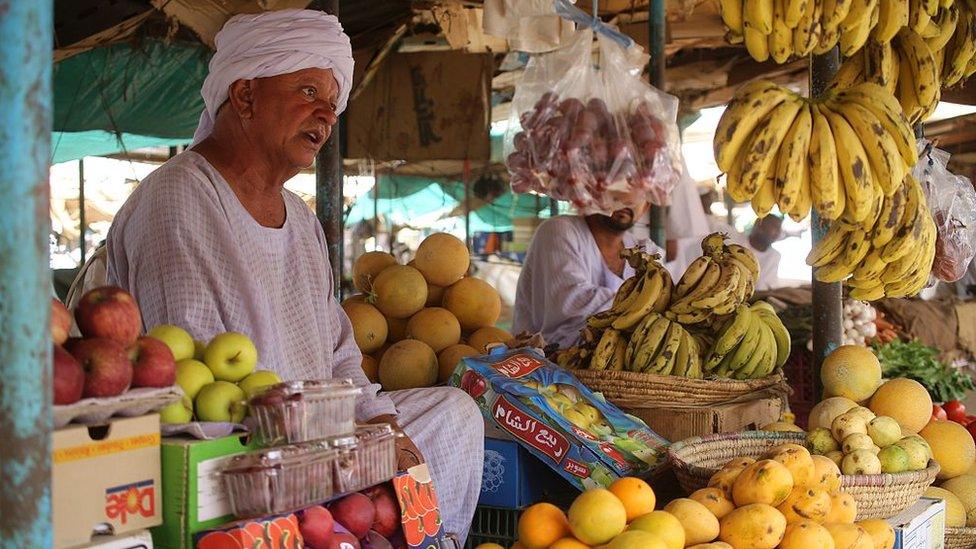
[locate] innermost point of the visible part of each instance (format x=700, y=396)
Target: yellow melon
x=756, y=526
x=482, y=337
x=434, y=326
x=714, y=500
x=850, y=536
x=408, y=364
x=368, y=325
x=449, y=358
x=882, y=534
x=952, y=446
x=765, y=481
x=955, y=510
x=371, y=368
x=442, y=258
x=699, y=523
x=400, y=291
x=905, y=400
x=851, y=371
x=964, y=488
x=474, y=302
x=368, y=266
x=434, y=295
x=806, y=534
x=824, y=413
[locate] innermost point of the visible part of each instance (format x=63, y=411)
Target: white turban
x=271, y=44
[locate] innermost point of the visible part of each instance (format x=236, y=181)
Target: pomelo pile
x=414, y=323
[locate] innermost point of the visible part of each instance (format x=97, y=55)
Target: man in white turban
x=212, y=242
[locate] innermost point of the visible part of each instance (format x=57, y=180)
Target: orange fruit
x=636, y=495
x=569, y=543
x=541, y=525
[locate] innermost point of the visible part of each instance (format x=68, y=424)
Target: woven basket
x=696, y=459
x=960, y=538
x=636, y=390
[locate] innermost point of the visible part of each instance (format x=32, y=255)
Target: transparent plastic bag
x=952, y=202
x=596, y=136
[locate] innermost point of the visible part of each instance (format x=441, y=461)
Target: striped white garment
x=564, y=280
x=191, y=255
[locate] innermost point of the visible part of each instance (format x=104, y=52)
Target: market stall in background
x=706, y=407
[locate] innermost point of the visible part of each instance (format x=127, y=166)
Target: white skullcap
x=271, y=44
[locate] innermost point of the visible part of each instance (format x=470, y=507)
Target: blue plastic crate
x=513, y=478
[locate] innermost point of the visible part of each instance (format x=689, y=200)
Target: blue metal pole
x=657, y=32
x=25, y=277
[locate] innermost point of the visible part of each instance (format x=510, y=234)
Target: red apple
x=938, y=413
x=316, y=524
x=152, y=363
x=106, y=364
x=60, y=322
x=109, y=312
x=342, y=540
x=955, y=410
x=387, y=519
x=356, y=512
x=68, y=377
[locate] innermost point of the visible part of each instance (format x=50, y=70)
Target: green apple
x=257, y=381
x=220, y=401
x=176, y=338
x=231, y=356
x=199, y=347
x=191, y=375
x=177, y=412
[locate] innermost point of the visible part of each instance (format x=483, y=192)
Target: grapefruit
x=449, y=358
x=434, y=326
x=636, y=495
x=851, y=371
x=408, y=364
x=474, y=302
x=442, y=258
x=597, y=516
x=368, y=266
x=827, y=410
x=400, y=291
x=368, y=325
x=541, y=525
x=483, y=337
x=952, y=446
x=905, y=400
x=664, y=525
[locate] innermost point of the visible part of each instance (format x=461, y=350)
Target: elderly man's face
x=293, y=114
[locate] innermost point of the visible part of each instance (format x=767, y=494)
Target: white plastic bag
x=596, y=136
x=952, y=201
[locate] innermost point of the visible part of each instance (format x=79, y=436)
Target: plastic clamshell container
x=275, y=480
x=364, y=459
x=300, y=411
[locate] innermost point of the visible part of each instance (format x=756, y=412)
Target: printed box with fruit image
x=558, y=419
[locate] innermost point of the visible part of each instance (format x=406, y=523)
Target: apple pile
x=375, y=509
x=217, y=378
x=599, y=160
x=111, y=356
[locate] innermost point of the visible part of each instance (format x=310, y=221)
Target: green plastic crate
x=493, y=525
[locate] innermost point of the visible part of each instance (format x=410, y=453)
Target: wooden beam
x=205, y=17
x=377, y=61
x=116, y=33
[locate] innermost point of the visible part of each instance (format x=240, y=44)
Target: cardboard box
x=513, y=478
x=680, y=423
x=140, y=539
x=588, y=441
x=105, y=478
x=432, y=105
x=193, y=492
x=921, y=526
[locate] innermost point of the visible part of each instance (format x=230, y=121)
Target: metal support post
x=828, y=309
x=82, y=222
x=658, y=215
x=328, y=181
x=25, y=275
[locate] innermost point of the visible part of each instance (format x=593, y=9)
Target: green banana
x=648, y=347
x=637, y=338
x=747, y=346
x=664, y=360
x=780, y=333
x=733, y=331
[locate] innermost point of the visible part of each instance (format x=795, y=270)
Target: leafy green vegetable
x=920, y=362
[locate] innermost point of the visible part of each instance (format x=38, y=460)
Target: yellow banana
x=918, y=18
x=835, y=12
x=887, y=167
x=780, y=334
x=853, y=39
x=763, y=347
x=780, y=41
x=765, y=198
x=794, y=12
x=910, y=228
x=804, y=38
x=946, y=23
x=850, y=73
x=879, y=63
x=801, y=208
x=603, y=354
x=961, y=50
x=733, y=331
x=872, y=293
x=826, y=250
x=682, y=356
x=756, y=43
x=732, y=14
x=626, y=290
x=692, y=276
x=827, y=39
x=907, y=95
x=892, y=16
x=639, y=340
x=664, y=360
x=762, y=148
x=791, y=160
x=708, y=281
x=871, y=267
x=647, y=347
x=885, y=107
x=720, y=292
x=854, y=167
x=758, y=15
x=931, y=7
x=750, y=105
x=855, y=249
x=619, y=352
x=742, y=352
x=825, y=184
x=746, y=257
x=927, y=83
x=643, y=304
x=859, y=13
x=892, y=211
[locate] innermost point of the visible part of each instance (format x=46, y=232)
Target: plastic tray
x=134, y=402
x=301, y=411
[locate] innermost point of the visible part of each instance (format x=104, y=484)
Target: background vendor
x=572, y=270
x=212, y=242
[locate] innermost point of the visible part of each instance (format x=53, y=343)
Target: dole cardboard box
x=105, y=478
x=558, y=419
x=193, y=492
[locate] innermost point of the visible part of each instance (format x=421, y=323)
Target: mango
x=715, y=500
x=806, y=504
x=843, y=509
x=807, y=534
x=699, y=524
x=753, y=526
x=796, y=458
x=850, y=536
x=765, y=481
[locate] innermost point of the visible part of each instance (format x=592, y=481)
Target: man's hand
x=408, y=455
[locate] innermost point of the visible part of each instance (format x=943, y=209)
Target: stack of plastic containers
x=313, y=450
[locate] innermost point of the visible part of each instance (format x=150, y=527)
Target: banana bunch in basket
x=656, y=346
x=714, y=284
x=750, y=344
x=648, y=291
x=892, y=258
